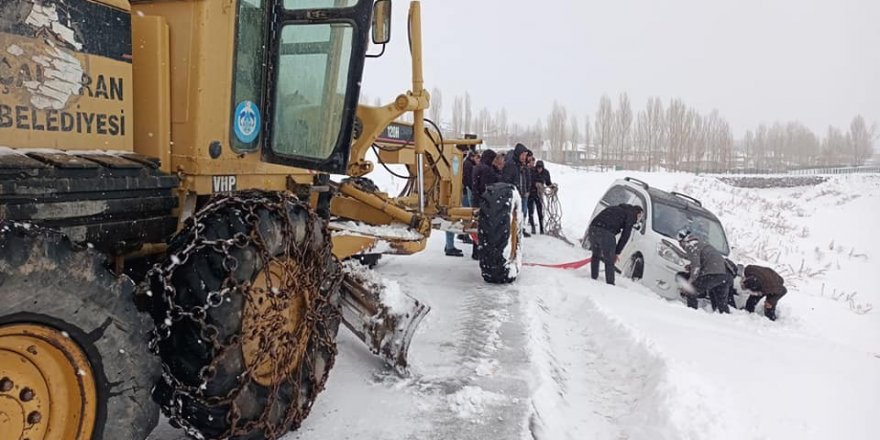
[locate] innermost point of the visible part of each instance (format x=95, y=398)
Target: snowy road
x=559, y=356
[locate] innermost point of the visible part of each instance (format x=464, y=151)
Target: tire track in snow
x=595, y=378
x=486, y=396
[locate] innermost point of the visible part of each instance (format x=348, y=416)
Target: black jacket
x=542, y=177
x=619, y=220
x=467, y=176
x=514, y=172
x=485, y=173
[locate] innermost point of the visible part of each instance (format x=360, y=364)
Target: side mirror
x=382, y=22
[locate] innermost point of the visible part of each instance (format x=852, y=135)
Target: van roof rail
x=633, y=179
x=687, y=197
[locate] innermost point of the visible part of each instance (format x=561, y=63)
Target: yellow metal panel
x=66, y=86
x=152, y=88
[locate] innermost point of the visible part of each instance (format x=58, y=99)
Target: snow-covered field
x=559, y=356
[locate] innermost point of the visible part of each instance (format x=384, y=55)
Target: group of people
x=517, y=167
x=709, y=274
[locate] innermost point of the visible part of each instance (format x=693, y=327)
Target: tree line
x=660, y=136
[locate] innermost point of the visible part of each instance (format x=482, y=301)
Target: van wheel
x=638, y=268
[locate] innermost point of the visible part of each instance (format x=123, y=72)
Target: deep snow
x=556, y=355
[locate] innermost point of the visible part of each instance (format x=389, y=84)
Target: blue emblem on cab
x=247, y=122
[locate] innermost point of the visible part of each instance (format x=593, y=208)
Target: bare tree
x=833, y=148
x=588, y=135
x=623, y=125
x=458, y=116
x=655, y=130
x=860, y=141
x=556, y=132
x=641, y=139
x=677, y=127
x=574, y=136
x=436, y=110
x=604, y=128
x=468, y=116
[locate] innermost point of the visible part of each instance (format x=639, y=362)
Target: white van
x=653, y=255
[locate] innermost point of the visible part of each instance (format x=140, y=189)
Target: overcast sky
x=816, y=61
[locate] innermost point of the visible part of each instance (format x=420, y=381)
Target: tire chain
x=298, y=262
x=552, y=212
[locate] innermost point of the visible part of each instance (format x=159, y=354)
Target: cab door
x=298, y=81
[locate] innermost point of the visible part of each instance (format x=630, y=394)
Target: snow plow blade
x=386, y=329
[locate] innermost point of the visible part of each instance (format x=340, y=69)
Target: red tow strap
x=573, y=265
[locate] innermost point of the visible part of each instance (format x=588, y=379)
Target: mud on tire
x=500, y=233
x=45, y=280
x=259, y=255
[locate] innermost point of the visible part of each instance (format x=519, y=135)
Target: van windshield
x=668, y=219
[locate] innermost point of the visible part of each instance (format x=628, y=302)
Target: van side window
x=615, y=196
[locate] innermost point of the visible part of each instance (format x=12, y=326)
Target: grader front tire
x=246, y=316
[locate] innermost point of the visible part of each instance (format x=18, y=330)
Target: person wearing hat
x=709, y=274
x=542, y=176
x=515, y=172
x=763, y=282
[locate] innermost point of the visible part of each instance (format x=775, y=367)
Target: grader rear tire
x=71, y=334
x=247, y=317
x=500, y=233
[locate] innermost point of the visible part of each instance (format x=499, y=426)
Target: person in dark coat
x=684, y=282
x=542, y=176
x=605, y=226
x=516, y=174
x=484, y=174
x=709, y=275
x=467, y=178
x=467, y=183
x=761, y=282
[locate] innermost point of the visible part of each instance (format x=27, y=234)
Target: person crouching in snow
x=683, y=279
x=763, y=282
x=709, y=275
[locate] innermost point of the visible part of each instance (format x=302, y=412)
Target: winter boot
x=751, y=303
x=533, y=230
x=454, y=252
x=542, y=229
x=770, y=313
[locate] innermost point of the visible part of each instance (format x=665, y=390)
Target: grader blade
x=386, y=327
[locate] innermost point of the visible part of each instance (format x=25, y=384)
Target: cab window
x=313, y=74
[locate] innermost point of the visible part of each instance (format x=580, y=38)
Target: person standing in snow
x=542, y=176
x=605, y=226
x=763, y=282
x=467, y=183
x=515, y=173
x=709, y=274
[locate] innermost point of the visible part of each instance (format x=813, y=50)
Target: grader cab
x=170, y=236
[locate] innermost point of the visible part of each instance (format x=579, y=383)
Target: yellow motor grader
x=170, y=234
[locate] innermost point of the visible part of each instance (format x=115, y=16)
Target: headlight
x=671, y=255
